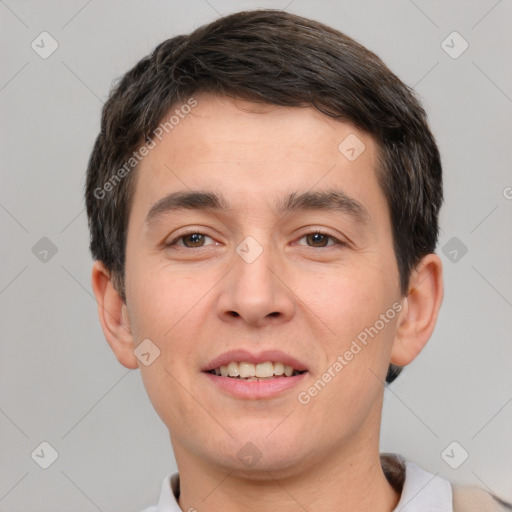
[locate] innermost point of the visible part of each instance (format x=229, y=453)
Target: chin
x=255, y=459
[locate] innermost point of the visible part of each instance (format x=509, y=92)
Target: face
x=251, y=274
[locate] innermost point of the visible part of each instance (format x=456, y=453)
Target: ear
x=113, y=315
x=419, y=315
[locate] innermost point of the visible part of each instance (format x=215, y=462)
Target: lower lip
x=255, y=389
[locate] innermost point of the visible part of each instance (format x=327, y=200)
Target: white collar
x=424, y=491
x=421, y=491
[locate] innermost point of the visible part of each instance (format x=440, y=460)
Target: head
x=276, y=118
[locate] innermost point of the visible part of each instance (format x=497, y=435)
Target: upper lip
x=255, y=358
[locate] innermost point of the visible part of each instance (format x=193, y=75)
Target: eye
x=320, y=239
x=197, y=240
x=190, y=240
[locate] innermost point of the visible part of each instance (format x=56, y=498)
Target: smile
x=259, y=371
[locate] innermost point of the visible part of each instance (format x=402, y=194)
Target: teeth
x=278, y=368
x=250, y=371
x=246, y=370
x=264, y=369
x=233, y=370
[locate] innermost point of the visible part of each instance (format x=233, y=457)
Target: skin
x=298, y=296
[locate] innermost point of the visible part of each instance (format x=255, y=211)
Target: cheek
x=355, y=350
x=167, y=306
x=162, y=310
x=347, y=299
x=350, y=303
x=162, y=298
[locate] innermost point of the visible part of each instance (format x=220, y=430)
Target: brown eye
x=318, y=239
x=193, y=240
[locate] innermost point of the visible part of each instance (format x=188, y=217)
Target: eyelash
x=313, y=232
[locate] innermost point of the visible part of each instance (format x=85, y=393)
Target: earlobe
x=113, y=316
x=421, y=307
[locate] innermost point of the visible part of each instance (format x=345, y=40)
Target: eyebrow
x=327, y=200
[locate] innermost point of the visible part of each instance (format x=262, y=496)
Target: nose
x=256, y=291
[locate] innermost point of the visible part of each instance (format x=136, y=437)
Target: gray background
x=59, y=381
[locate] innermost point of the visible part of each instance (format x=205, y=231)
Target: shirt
x=421, y=491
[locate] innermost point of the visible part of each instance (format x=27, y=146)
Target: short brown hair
x=282, y=59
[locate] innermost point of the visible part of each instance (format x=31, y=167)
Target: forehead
x=220, y=127
x=255, y=151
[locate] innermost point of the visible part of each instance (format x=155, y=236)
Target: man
x=263, y=202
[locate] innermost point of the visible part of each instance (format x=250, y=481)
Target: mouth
x=254, y=380
x=244, y=370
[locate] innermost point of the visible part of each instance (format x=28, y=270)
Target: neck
x=351, y=478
